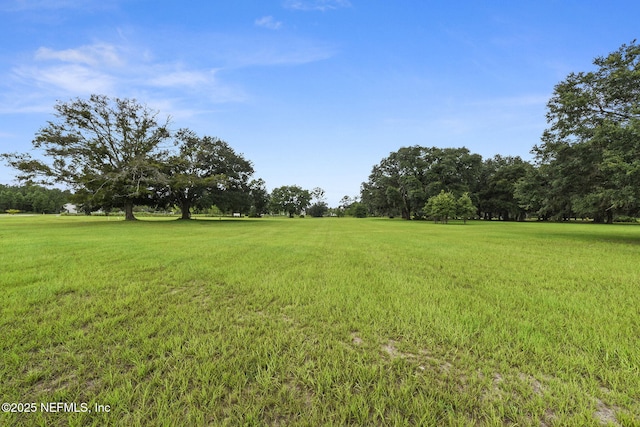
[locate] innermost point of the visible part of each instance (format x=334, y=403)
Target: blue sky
x=313, y=92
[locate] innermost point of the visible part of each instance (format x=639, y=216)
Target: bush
x=357, y=210
x=253, y=213
x=624, y=218
x=318, y=210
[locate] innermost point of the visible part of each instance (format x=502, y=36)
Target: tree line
x=586, y=166
x=117, y=153
x=413, y=180
x=32, y=198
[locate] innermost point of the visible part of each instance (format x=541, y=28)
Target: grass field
x=328, y=321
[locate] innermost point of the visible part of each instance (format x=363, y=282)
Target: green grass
x=331, y=321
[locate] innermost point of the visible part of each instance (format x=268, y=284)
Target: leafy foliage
x=441, y=207
x=592, y=148
x=206, y=171
x=465, y=208
x=107, y=150
x=32, y=198
x=290, y=199
x=496, y=189
x=318, y=209
x=357, y=210
x=404, y=180
x=259, y=197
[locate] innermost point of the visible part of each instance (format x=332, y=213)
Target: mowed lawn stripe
x=311, y=321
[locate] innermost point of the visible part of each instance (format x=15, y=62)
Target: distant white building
x=70, y=208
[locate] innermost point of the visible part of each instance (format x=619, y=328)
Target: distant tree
x=318, y=209
x=290, y=199
x=441, y=207
x=496, y=192
x=259, y=197
x=344, y=205
x=465, y=208
x=403, y=182
x=107, y=150
x=317, y=195
x=33, y=198
x=537, y=195
x=357, y=209
x=318, y=206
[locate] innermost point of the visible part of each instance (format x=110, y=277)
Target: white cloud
x=113, y=70
x=268, y=22
x=54, y=5
x=74, y=79
x=76, y=71
x=93, y=55
x=321, y=5
x=174, y=81
x=140, y=71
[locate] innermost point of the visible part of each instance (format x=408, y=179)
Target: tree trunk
x=128, y=212
x=185, y=208
x=405, y=213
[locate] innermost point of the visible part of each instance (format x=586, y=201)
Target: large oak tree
x=403, y=182
x=206, y=171
x=591, y=149
x=108, y=150
x=291, y=199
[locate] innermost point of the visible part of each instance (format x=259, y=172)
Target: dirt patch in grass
x=355, y=339
x=391, y=350
x=605, y=414
x=535, y=385
x=423, y=357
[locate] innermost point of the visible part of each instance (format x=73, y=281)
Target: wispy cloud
x=34, y=5
x=268, y=22
x=298, y=52
x=321, y=5
x=74, y=79
x=182, y=78
x=93, y=55
x=79, y=71
x=111, y=70
x=201, y=85
x=267, y=49
x=127, y=68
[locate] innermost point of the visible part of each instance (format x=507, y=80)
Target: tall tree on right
x=591, y=149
